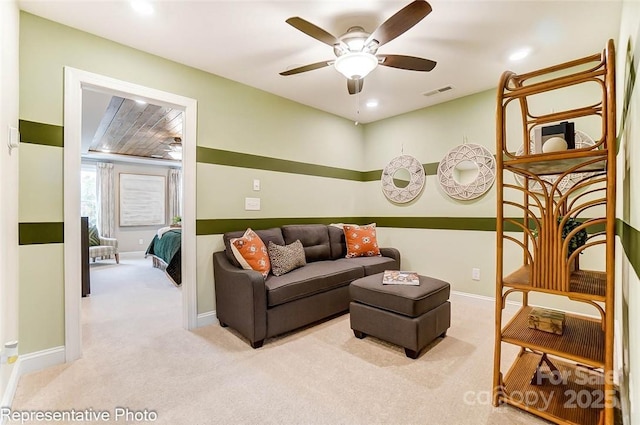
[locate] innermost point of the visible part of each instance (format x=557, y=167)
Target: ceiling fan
x=356, y=50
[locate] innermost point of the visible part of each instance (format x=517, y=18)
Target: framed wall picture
x=142, y=200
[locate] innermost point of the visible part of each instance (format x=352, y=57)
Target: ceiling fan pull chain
x=357, y=108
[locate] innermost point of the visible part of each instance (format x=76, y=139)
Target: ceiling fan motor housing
x=354, y=41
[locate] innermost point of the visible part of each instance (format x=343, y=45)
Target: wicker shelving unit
x=579, y=386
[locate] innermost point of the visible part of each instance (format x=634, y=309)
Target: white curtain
x=105, y=185
x=175, y=193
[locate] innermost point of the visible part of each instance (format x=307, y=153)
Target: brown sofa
x=260, y=309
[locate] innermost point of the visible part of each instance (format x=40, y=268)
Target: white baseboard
x=516, y=303
x=206, y=319
x=28, y=363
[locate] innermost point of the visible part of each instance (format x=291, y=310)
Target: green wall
x=313, y=167
x=231, y=117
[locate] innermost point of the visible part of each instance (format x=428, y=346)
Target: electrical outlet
x=140, y=241
x=475, y=274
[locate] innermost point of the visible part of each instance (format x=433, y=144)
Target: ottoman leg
x=411, y=353
x=359, y=334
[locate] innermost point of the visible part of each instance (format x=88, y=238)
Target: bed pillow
x=285, y=258
x=94, y=236
x=251, y=253
x=361, y=240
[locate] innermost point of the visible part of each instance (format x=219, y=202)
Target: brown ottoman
x=406, y=315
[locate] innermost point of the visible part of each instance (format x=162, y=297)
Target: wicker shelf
x=582, y=340
x=585, y=349
x=547, y=164
x=583, y=284
x=577, y=398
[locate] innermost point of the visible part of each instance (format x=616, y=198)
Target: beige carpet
x=136, y=356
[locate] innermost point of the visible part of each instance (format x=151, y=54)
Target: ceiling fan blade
x=411, y=63
x=312, y=30
x=354, y=86
x=402, y=21
x=306, y=68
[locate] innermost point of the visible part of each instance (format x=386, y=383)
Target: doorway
x=75, y=82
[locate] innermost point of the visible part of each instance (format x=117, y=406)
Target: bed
x=165, y=248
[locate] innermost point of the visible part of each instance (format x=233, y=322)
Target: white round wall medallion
x=582, y=140
x=402, y=179
x=467, y=171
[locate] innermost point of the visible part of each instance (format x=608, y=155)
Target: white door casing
x=75, y=81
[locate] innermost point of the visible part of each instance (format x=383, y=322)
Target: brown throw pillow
x=286, y=258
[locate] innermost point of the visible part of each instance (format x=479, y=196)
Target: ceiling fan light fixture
x=356, y=65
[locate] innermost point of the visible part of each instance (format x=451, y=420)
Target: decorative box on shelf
x=546, y=320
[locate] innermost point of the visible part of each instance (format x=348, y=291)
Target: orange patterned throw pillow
x=361, y=240
x=251, y=253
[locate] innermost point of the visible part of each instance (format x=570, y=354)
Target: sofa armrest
x=109, y=242
x=391, y=253
x=241, y=299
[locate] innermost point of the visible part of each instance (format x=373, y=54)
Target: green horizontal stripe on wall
x=444, y=223
x=235, y=159
x=40, y=233
x=244, y=160
x=630, y=239
x=41, y=134
x=485, y=224
x=218, y=226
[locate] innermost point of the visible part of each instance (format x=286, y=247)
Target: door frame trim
x=75, y=81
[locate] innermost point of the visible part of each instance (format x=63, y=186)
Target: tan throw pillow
x=361, y=240
x=286, y=258
x=251, y=253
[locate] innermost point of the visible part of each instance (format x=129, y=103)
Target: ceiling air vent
x=436, y=91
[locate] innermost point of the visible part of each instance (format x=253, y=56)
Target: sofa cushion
x=311, y=279
x=314, y=238
x=251, y=253
x=361, y=240
x=373, y=265
x=336, y=239
x=274, y=235
x=285, y=258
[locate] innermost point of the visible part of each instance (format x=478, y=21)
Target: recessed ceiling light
x=520, y=54
x=372, y=103
x=142, y=7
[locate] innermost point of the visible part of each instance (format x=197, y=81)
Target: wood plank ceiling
x=133, y=128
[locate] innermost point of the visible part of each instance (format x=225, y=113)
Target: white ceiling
x=249, y=42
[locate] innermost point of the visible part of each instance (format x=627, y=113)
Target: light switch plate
x=256, y=184
x=252, y=204
x=14, y=137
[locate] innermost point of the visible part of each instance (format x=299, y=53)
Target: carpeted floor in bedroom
x=136, y=356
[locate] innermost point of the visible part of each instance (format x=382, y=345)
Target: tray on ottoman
x=406, y=315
